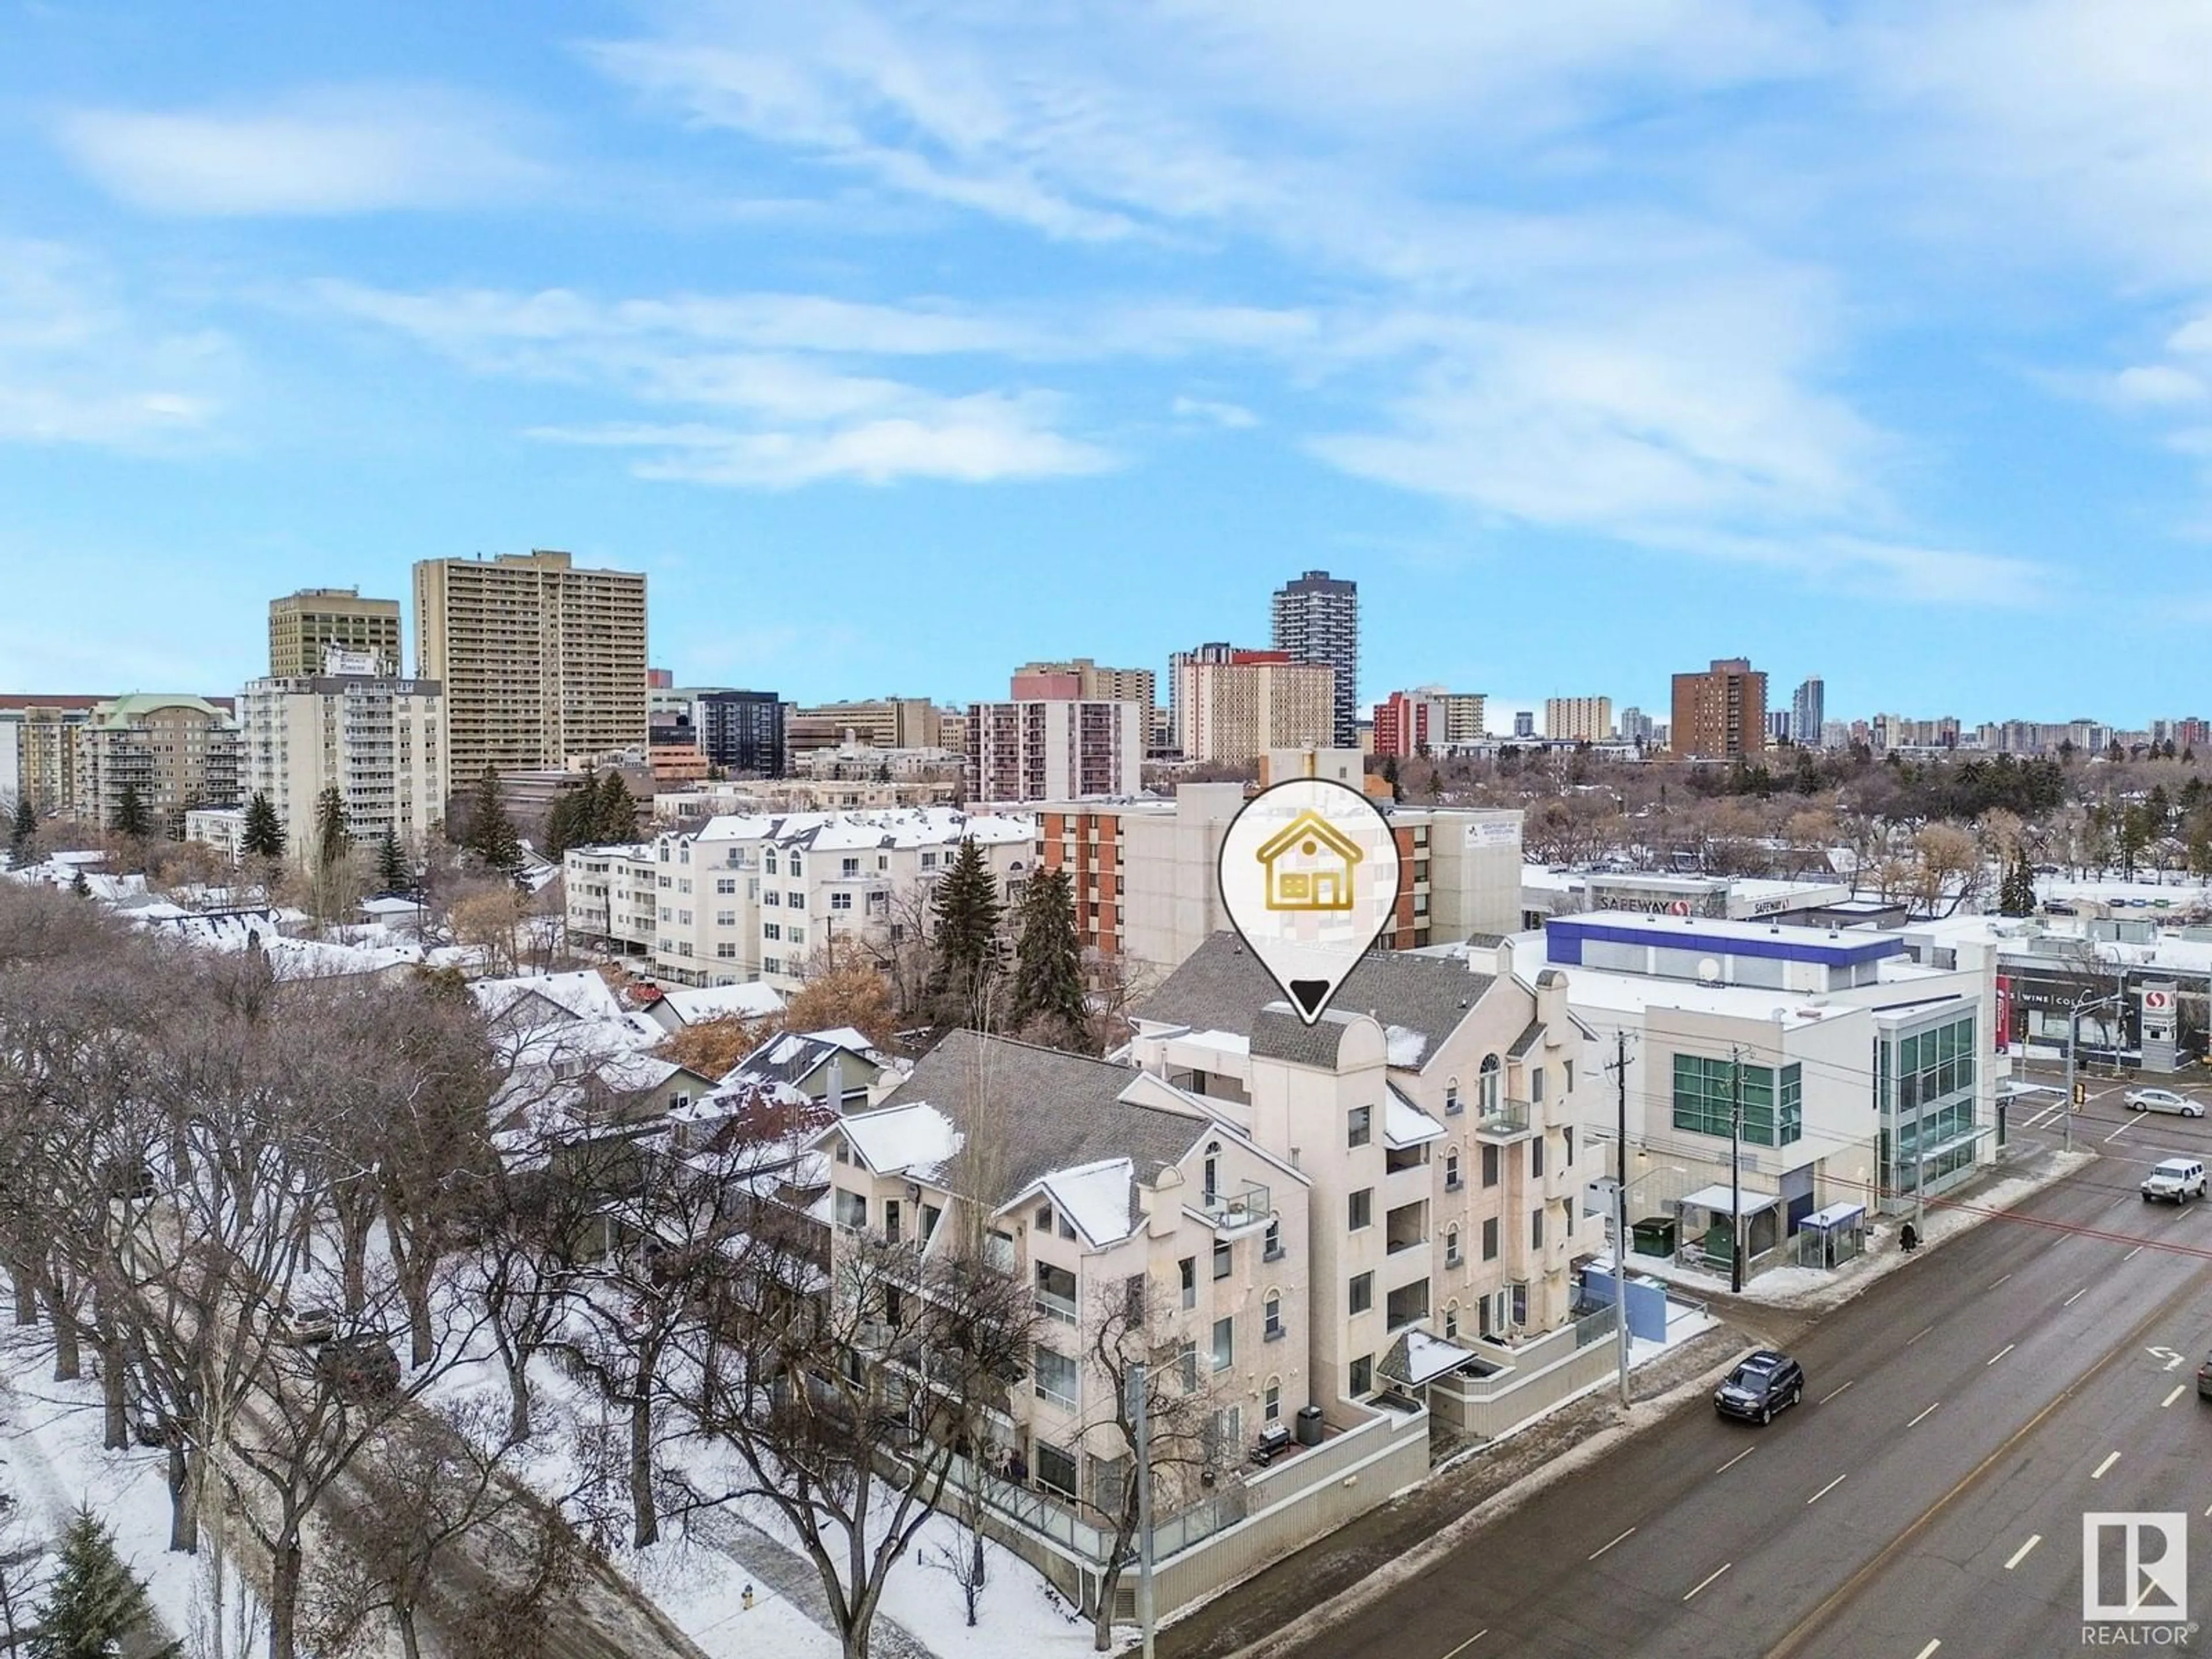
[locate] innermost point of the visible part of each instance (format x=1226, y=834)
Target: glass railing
x=1509, y=1117
x=1239, y=1206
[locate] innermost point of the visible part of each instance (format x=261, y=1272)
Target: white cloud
x=79, y=364
x=2157, y=385
x=337, y=150
x=1235, y=417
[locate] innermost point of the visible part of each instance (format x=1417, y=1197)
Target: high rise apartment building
x=1809, y=713
x=377, y=739
x=1097, y=684
x=741, y=732
x=1235, y=710
x=305, y=625
x=1578, y=720
x=1044, y=747
x=1316, y=620
x=174, y=752
x=1407, y=723
x=873, y=722
x=37, y=752
x=537, y=660
x=1720, y=714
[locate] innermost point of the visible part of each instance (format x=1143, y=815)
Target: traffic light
x=2080, y=1096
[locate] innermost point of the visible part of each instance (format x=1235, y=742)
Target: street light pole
x=1620, y=1213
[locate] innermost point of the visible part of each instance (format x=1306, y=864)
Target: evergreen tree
x=1048, y=960
x=392, y=874
x=2016, y=892
x=95, y=1608
x=24, y=830
x=131, y=816
x=568, y=820
x=262, y=834
x=966, y=917
x=491, y=833
x=333, y=841
x=614, y=818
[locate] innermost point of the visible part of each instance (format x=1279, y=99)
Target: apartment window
x=1535, y=1157
x=772, y=930
x=929, y=860
x=794, y=900
x=1486, y=1085
x=1044, y=1217
x=771, y=965
x=1451, y=1321
x=1536, y=1228
x=891, y=1220
x=1186, y=1275
x=841, y=900
x=795, y=869
x=1362, y=1381
x=1055, y=1469
x=1567, y=1144
x=1361, y=1296
x=727, y=949
x=1518, y=1301
x=1187, y=1366
x=1067, y=1228
x=1451, y=1097
x=1274, y=1315
x=1451, y=1245
x=1271, y=1400
x=773, y=897
x=797, y=935
x=1361, y=1127
x=768, y=861
x=1490, y=1166
x=1224, y=1344
x=1567, y=1077
x=1490, y=1239
x=1536, y=1085
x=1056, y=1378
x=1222, y=1258
x=727, y=886
x=852, y=1209
x=1056, y=1291
x=849, y=866
x=725, y=918
x=667, y=915
x=1359, y=1209
x=684, y=918
x=1451, y=1170
x=1272, y=1243
x=684, y=885
x=667, y=881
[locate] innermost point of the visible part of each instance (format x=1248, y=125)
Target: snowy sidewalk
x=771, y=1564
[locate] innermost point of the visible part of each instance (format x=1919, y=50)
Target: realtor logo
x=2134, y=1566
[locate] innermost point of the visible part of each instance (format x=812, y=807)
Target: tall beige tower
x=305, y=625
x=540, y=661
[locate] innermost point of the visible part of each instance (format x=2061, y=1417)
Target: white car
x=2174, y=1180
x=2162, y=1100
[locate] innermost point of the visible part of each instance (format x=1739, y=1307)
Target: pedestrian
x=1908, y=1236
x=749, y=1598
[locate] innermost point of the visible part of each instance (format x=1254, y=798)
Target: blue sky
x=902, y=342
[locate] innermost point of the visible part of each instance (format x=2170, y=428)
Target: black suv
x=359, y=1369
x=1762, y=1385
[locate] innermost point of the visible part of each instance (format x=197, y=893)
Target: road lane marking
x=1915, y=1421
x=1825, y=1489
x=1998, y=1355
x=1737, y=1459
x=1934, y=1643
x=2122, y=1130
x=1469, y=1642
x=1996, y=1282
x=1716, y=1573
x=2098, y=1473
x=2076, y=1297
x=2135, y=1252
x=2179, y=1388
x=1918, y=1334
x=2020, y=1554
x=1825, y=1398
x=1602, y=1548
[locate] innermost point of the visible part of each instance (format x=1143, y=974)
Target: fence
x=1529, y=1381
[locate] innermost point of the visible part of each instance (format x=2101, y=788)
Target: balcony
x=1507, y=1120
x=1406, y=1228
x=1234, y=1210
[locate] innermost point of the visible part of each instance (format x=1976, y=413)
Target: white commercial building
x=375, y=738
x=756, y=896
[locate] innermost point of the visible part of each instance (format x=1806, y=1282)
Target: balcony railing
x=1060, y=1307
x=1248, y=1206
x=1508, y=1118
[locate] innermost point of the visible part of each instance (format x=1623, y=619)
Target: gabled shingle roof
x=1278, y=1034
x=1221, y=987
x=1025, y=1112
x=1526, y=1043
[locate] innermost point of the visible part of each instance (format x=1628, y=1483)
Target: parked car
x=360, y=1367
x=1767, y=1381
x=2174, y=1180
x=2162, y=1100
x=2204, y=1379
x=304, y=1328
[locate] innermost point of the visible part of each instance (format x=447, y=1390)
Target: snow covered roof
x=893, y=827
x=1405, y=1124
x=583, y=994
x=1405, y=1045
x=751, y=1000
x=914, y=1139
x=1417, y=1357
x=1099, y=1198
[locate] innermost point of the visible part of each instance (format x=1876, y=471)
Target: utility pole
x=1142, y=1433
x=1620, y=1211
x=1736, y=1170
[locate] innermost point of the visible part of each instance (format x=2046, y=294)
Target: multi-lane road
x=1926, y=1501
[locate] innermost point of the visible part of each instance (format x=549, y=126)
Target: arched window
x=1273, y=1396
x=768, y=861
x=1451, y=1169
x=1451, y=1319
x=1485, y=1088
x=1451, y=1245
x=1451, y=1095
x=1273, y=1306
x=1212, y=1169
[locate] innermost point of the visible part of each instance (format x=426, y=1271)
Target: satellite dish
x=1709, y=970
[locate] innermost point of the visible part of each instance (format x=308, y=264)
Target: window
x=795, y=869
x=1536, y=1230
x=931, y=1215
x=772, y=930
x=1044, y=1217
x=1273, y=1307
x=1272, y=1399
x=726, y=948
x=684, y=917
x=1536, y=1085
x=1360, y=1209
x=894, y=1305
x=1486, y=1086
x=684, y=883
x=852, y=1209
x=771, y=965
x=929, y=860
x=768, y=861
x=1362, y=1383
x=1490, y=1166
x=1212, y=1169
x=1567, y=1081
x=1519, y=1300
x=1451, y=1321
x=1067, y=1228
x=1223, y=1255
x=841, y=900
x=773, y=897
x=1535, y=1157
x=1451, y=1245
x=794, y=900
x=727, y=886
x=667, y=881
x=1056, y=1291
x=1567, y=1144
x=667, y=915
x=1187, y=1363
x=1451, y=1170
x=797, y=934
x=1490, y=1239
x=1055, y=1469
x=1272, y=1243
x=1056, y=1377
x=1224, y=1344
x=849, y=866
x=1361, y=1127
x=1773, y=1106
x=1187, y=1271
x=1362, y=1294
x=725, y=918
x=891, y=1220
x=1451, y=1097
